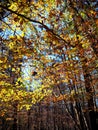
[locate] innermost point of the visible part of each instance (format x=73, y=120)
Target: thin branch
x=11, y=28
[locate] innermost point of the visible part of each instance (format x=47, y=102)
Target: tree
x=60, y=39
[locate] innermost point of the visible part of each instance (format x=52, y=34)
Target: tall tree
x=59, y=38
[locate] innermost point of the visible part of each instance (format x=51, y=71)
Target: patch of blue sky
x=55, y=57
x=30, y=81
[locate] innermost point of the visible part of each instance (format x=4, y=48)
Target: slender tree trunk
x=80, y=115
x=15, y=116
x=29, y=120
x=92, y=116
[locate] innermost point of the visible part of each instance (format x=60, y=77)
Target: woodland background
x=48, y=64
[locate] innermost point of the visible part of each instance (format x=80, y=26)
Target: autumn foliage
x=49, y=55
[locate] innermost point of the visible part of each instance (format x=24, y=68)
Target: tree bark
x=15, y=116
x=92, y=117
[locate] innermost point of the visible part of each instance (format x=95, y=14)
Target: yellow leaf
x=13, y=69
x=65, y=80
x=71, y=65
x=14, y=6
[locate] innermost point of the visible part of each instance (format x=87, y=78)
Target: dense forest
x=48, y=64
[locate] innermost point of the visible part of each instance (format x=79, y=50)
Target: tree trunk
x=15, y=116
x=92, y=117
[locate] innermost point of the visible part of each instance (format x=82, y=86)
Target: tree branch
x=38, y=22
